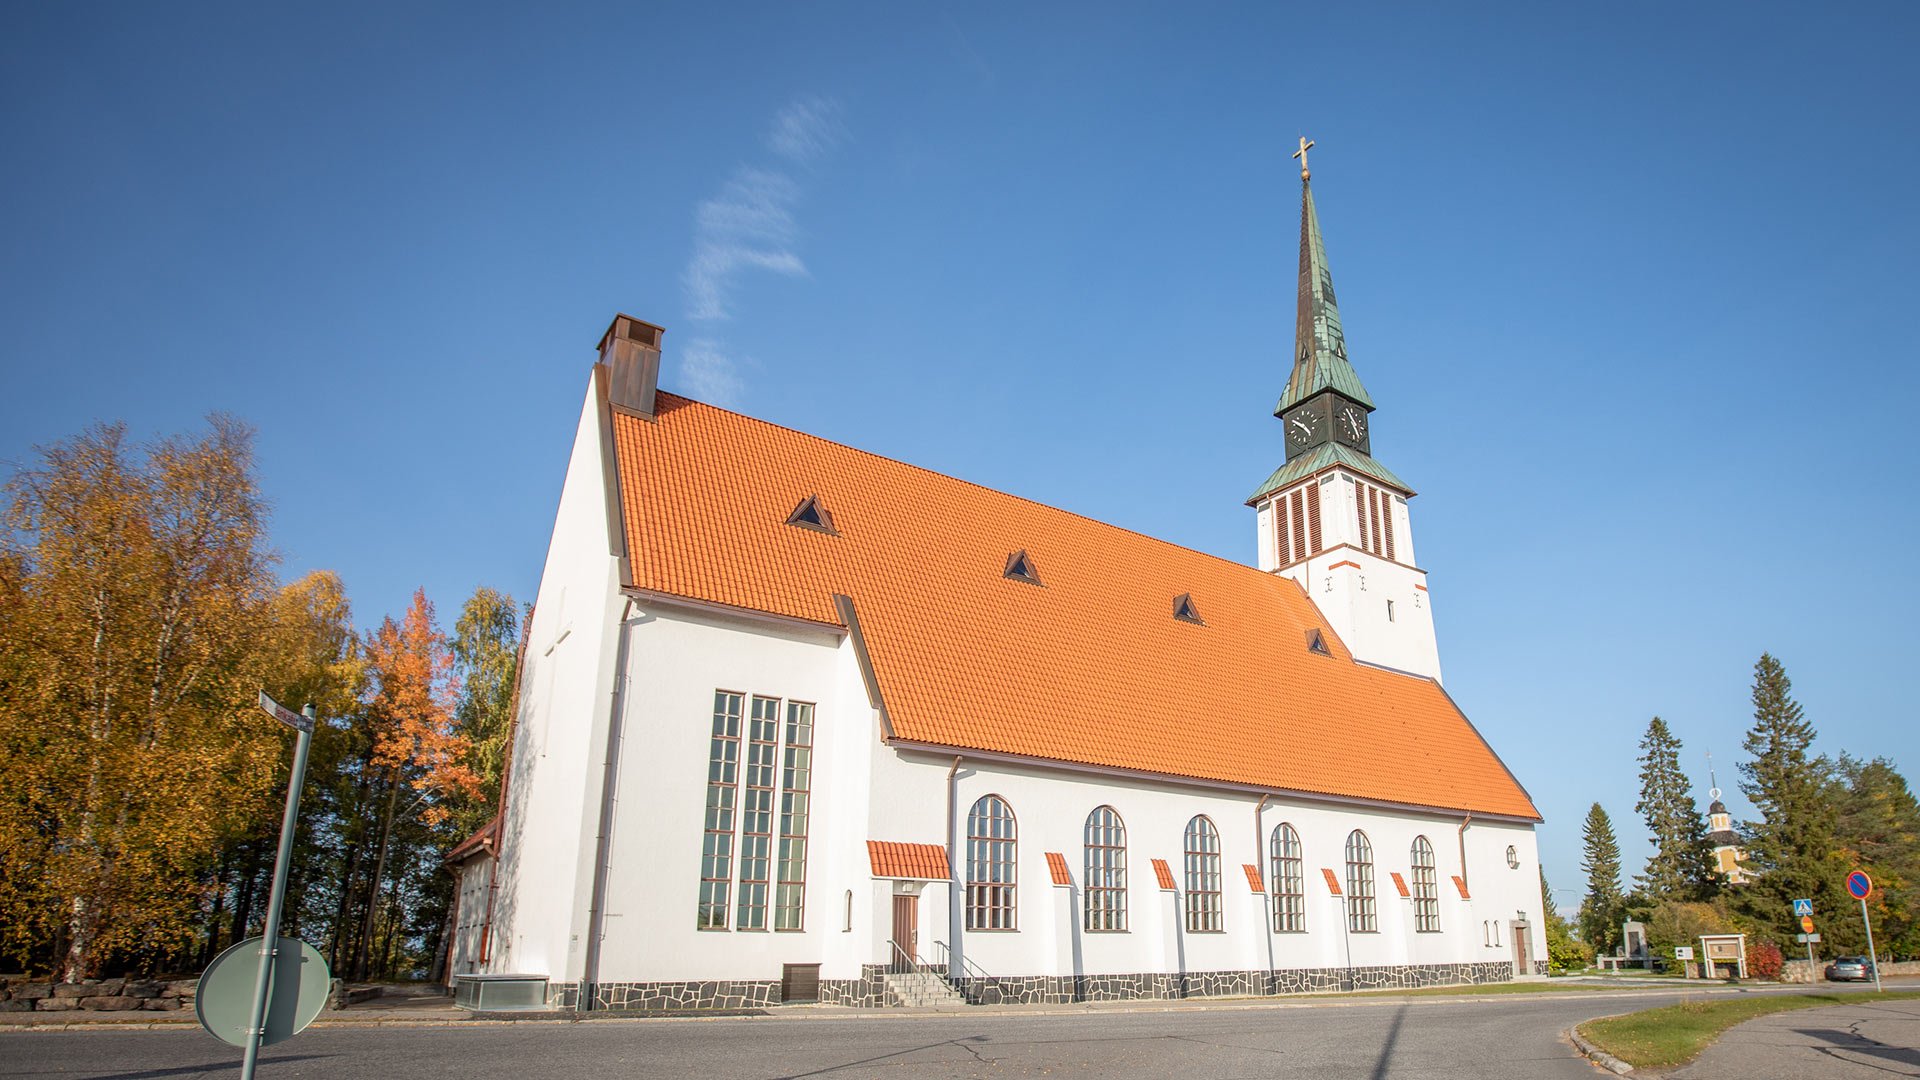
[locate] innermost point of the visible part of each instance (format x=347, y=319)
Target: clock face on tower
x=1303, y=428
x=1350, y=425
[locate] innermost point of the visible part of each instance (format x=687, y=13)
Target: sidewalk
x=1838, y=1042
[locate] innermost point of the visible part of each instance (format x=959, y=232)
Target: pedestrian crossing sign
x=1802, y=907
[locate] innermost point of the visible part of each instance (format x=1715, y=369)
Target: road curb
x=1598, y=1056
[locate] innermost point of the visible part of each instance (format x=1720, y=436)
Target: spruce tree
x=1879, y=830
x=1681, y=866
x=1601, y=909
x=1791, y=847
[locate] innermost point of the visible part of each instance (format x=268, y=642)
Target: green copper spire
x=1319, y=345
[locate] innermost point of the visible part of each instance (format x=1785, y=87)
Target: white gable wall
x=678, y=658
x=565, y=686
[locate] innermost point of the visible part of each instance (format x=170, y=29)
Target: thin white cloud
x=709, y=374
x=749, y=225
x=807, y=129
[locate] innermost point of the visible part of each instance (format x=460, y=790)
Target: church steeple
x=1319, y=345
x=1332, y=517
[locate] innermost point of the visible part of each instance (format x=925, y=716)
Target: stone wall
x=869, y=991
x=1796, y=971
x=19, y=994
x=672, y=996
x=1060, y=989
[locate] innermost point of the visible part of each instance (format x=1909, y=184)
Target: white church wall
x=1051, y=806
x=677, y=659
x=547, y=844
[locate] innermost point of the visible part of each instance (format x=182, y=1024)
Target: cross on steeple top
x=1306, y=144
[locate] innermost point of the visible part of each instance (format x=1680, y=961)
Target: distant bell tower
x=1727, y=856
x=1331, y=517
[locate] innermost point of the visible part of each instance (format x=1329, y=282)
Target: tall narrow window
x=1313, y=519
x=1203, y=876
x=990, y=865
x=1386, y=512
x=796, y=794
x=1373, y=519
x=756, y=815
x=1426, y=888
x=716, y=850
x=1288, y=882
x=1299, y=525
x=1361, y=917
x=1360, y=508
x=1106, y=876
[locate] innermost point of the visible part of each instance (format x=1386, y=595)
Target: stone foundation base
x=1061, y=989
x=869, y=990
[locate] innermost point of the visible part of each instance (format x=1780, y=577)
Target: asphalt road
x=1493, y=1038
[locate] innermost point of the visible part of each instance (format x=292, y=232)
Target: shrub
x=1565, y=952
x=1764, y=960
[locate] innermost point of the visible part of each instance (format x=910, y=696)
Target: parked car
x=1850, y=969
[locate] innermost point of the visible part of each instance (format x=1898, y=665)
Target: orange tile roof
x=1399, y=883
x=1253, y=877
x=1090, y=668
x=920, y=862
x=1057, y=866
x=1163, y=874
x=1333, y=881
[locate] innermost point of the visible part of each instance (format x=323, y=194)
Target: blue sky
x=1631, y=286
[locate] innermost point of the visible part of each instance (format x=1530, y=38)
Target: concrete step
x=923, y=990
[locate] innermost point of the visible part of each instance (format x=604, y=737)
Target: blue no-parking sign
x=1859, y=885
x=1802, y=907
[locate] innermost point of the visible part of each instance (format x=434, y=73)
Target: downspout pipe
x=603, y=842
x=1266, y=931
x=955, y=898
x=1464, y=880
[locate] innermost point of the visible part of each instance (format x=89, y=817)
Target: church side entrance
x=906, y=931
x=1522, y=963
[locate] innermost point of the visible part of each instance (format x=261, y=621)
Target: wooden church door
x=906, y=927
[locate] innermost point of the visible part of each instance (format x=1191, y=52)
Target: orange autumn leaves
x=413, y=693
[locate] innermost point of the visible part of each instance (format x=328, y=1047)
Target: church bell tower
x=1332, y=517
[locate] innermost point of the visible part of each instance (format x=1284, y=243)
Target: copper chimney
x=631, y=350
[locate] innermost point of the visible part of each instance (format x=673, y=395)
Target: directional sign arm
x=285, y=715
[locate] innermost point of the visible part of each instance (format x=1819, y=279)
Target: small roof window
x=811, y=515
x=1020, y=568
x=1317, y=642
x=1185, y=611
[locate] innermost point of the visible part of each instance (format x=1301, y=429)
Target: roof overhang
x=943, y=750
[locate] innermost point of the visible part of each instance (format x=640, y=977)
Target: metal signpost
x=1860, y=886
x=288, y=974
x=1804, y=909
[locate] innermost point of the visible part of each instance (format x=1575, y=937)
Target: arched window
x=990, y=865
x=1106, y=877
x=1203, y=876
x=1288, y=882
x=1361, y=918
x=1426, y=888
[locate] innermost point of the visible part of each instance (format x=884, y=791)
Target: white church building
x=797, y=722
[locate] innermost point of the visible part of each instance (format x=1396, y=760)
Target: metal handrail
x=973, y=970
x=906, y=962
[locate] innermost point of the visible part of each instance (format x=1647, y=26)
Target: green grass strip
x=1676, y=1034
